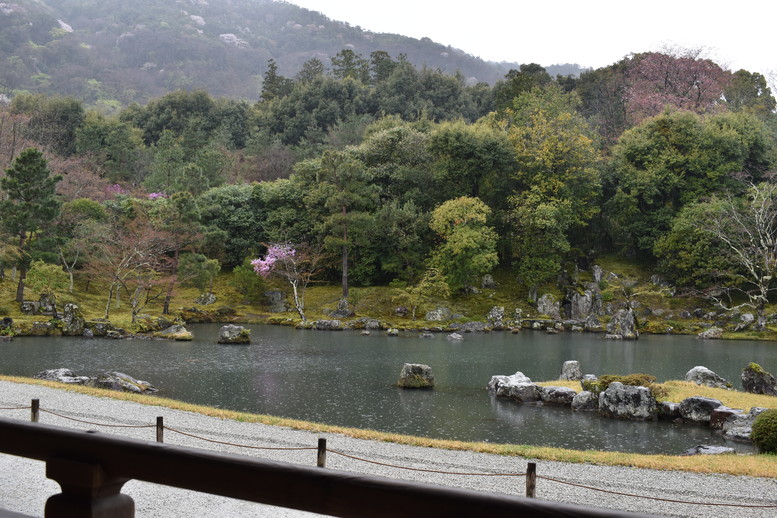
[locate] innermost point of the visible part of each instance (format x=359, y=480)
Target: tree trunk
x=345, y=256
x=22, y=268
x=299, y=302
x=108, y=305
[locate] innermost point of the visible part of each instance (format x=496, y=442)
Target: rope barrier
x=98, y=424
x=655, y=497
x=360, y=459
x=427, y=470
x=238, y=445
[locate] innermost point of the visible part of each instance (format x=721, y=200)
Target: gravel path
x=29, y=488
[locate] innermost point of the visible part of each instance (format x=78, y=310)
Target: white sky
x=593, y=33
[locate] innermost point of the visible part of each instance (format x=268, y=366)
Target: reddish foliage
x=687, y=82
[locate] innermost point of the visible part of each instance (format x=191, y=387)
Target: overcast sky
x=593, y=33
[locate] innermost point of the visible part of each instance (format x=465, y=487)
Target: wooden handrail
x=90, y=463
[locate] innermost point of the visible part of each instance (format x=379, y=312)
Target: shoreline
x=665, y=484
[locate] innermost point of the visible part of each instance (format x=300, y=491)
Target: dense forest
x=368, y=170
x=112, y=53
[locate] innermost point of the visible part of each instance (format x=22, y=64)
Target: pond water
x=344, y=378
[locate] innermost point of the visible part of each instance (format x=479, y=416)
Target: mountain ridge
x=114, y=53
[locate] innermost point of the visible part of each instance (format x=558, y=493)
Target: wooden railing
x=91, y=469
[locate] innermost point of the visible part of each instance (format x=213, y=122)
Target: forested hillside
x=369, y=170
x=112, y=53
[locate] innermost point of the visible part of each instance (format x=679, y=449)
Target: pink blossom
x=155, y=195
x=115, y=189
x=275, y=253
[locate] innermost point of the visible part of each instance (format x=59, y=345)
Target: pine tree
x=28, y=203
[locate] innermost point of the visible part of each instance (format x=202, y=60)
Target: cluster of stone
x=416, y=375
x=106, y=380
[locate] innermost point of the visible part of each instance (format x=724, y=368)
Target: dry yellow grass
x=749, y=465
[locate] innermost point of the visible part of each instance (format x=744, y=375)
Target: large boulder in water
x=517, y=387
x=175, y=332
x=628, y=402
x=703, y=376
x=232, y=334
x=561, y=396
x=122, y=382
x=757, y=381
x=62, y=375
x=571, y=371
x=72, y=320
x=697, y=409
x=623, y=326
x=585, y=401
x=416, y=375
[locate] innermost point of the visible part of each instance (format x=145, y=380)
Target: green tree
x=53, y=121
x=198, y=271
x=468, y=245
x=433, y=285
x=30, y=204
x=311, y=69
x=48, y=280
x=516, y=82
x=274, y=85
x=750, y=92
x=348, y=64
x=344, y=196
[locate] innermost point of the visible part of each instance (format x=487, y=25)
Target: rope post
x=321, y=461
x=35, y=410
x=160, y=429
x=531, y=480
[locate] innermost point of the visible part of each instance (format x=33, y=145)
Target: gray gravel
x=29, y=488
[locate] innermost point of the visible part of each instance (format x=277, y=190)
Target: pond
x=344, y=378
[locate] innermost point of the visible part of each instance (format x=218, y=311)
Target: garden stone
x=703, y=376
x=426, y=335
x=438, y=315
x=521, y=393
x=175, y=332
x=416, y=375
x=474, y=327
x=496, y=317
x=757, y=381
x=488, y=282
x=592, y=324
x=570, y=371
x=29, y=307
x=232, y=334
x=6, y=324
x=720, y=415
x=585, y=401
x=392, y=332
x=622, y=326
x=597, y=273
x=697, y=409
x=704, y=449
x=47, y=305
x=739, y=427
x=626, y=401
x=205, y=299
x=561, y=396
x=277, y=301
x=72, y=320
x=548, y=305
x=328, y=325
x=454, y=337
x=713, y=333
x=344, y=310
x=62, y=375
x=503, y=380
x=122, y=382
x=668, y=410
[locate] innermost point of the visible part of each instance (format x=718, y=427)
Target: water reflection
x=343, y=378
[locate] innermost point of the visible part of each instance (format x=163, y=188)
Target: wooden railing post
x=87, y=490
x=321, y=461
x=160, y=429
x=35, y=410
x=531, y=480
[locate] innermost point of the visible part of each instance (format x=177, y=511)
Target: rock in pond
x=622, y=326
x=627, y=402
x=454, y=337
x=175, y=332
x=703, y=376
x=585, y=401
x=416, y=375
x=757, y=381
x=62, y=375
x=392, y=332
x=120, y=381
x=560, y=396
x=713, y=333
x=232, y=334
x=571, y=371
x=697, y=409
x=72, y=320
x=704, y=449
x=740, y=426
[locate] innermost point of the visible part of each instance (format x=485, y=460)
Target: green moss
x=756, y=368
x=415, y=381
